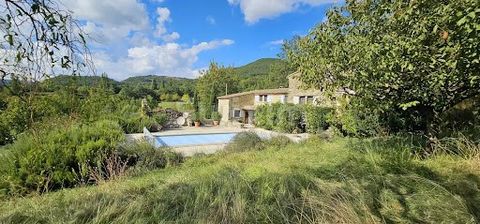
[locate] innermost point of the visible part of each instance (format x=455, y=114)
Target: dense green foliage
x=57, y=157
x=161, y=85
x=245, y=141
x=317, y=118
x=214, y=82
x=258, y=67
x=407, y=61
x=344, y=181
x=290, y=118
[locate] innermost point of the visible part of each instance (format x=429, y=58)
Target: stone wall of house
x=296, y=89
x=275, y=98
x=224, y=109
x=242, y=101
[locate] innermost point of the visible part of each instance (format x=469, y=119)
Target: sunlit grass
x=343, y=181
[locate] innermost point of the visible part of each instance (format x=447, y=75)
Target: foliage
x=143, y=156
x=165, y=85
x=216, y=116
x=245, y=141
x=211, y=85
x=344, y=181
x=186, y=98
x=415, y=56
x=38, y=38
x=317, y=118
x=265, y=73
x=57, y=157
x=195, y=116
x=278, y=142
x=289, y=118
x=354, y=119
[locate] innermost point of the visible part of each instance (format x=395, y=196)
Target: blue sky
x=181, y=37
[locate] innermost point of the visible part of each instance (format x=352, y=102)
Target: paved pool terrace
x=204, y=140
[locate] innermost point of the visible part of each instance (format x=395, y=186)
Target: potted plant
x=216, y=116
x=196, y=119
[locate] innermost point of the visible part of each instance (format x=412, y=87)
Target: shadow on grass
x=403, y=189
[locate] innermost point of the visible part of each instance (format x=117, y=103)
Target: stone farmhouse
x=240, y=107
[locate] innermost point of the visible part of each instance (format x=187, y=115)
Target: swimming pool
x=193, y=139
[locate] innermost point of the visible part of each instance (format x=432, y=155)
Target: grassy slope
x=308, y=183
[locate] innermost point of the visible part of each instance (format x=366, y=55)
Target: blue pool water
x=193, y=139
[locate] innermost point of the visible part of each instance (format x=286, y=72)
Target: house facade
x=241, y=106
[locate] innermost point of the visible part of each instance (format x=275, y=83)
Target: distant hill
x=58, y=82
x=164, y=84
x=147, y=79
x=260, y=66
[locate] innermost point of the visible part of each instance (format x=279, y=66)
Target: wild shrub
x=353, y=119
x=245, y=141
x=279, y=142
x=142, y=155
x=261, y=118
x=316, y=118
x=289, y=117
x=57, y=157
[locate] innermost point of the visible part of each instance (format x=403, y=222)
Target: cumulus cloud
x=130, y=45
x=161, y=30
x=164, y=59
x=109, y=20
x=254, y=10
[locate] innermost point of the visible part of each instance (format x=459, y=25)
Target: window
x=309, y=99
x=301, y=100
x=305, y=99
x=236, y=113
x=263, y=98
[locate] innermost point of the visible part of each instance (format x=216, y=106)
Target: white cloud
x=109, y=20
x=276, y=42
x=170, y=37
x=254, y=10
x=163, y=16
x=161, y=30
x=130, y=45
x=165, y=59
x=211, y=20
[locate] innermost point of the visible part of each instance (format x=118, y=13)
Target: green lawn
x=344, y=181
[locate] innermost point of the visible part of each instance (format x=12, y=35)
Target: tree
x=402, y=57
x=39, y=39
x=154, y=84
x=186, y=98
x=211, y=85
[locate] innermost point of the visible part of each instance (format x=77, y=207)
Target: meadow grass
x=316, y=181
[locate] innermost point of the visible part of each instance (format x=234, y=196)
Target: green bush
x=277, y=116
x=245, y=141
x=279, y=141
x=261, y=117
x=136, y=122
x=57, y=157
x=316, y=118
x=143, y=156
x=354, y=119
x=216, y=116
x=288, y=119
